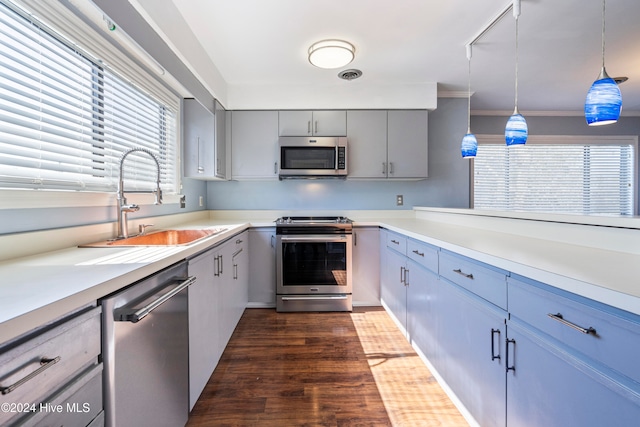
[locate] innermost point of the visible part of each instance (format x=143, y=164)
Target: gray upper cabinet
x=254, y=144
x=204, y=141
x=387, y=144
x=221, y=141
x=367, y=136
x=312, y=123
x=407, y=142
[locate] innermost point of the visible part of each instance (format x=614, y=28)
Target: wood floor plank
x=321, y=369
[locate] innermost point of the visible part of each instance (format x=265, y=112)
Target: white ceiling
x=258, y=44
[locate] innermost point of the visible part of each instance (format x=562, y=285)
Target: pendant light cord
x=603, y=24
x=516, y=100
x=469, y=97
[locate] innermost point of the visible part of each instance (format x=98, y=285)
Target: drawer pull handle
x=395, y=242
x=418, y=253
x=494, y=356
x=558, y=317
x=462, y=273
x=46, y=364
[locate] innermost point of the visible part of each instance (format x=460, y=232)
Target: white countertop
x=607, y=276
x=37, y=289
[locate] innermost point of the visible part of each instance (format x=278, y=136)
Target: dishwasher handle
x=132, y=313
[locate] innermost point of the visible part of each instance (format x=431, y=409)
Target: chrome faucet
x=122, y=206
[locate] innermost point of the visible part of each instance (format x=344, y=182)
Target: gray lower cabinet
x=53, y=376
x=262, y=267
x=204, y=323
x=408, y=285
x=575, y=358
x=515, y=352
x=366, y=271
x=216, y=302
x=393, y=290
x=471, y=359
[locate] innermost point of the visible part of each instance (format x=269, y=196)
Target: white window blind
x=66, y=118
x=564, y=174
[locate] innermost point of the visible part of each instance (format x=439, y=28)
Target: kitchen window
x=67, y=114
x=564, y=174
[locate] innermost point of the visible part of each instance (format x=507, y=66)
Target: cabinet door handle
x=275, y=168
x=462, y=273
x=384, y=168
x=494, y=356
x=235, y=271
x=200, y=168
x=406, y=278
x=355, y=239
x=309, y=126
x=390, y=168
x=221, y=266
x=315, y=127
x=401, y=274
x=45, y=364
x=559, y=318
x=216, y=266
x=513, y=366
x=418, y=253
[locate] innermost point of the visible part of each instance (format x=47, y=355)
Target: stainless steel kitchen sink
x=160, y=238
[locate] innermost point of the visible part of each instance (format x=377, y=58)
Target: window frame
x=70, y=27
x=564, y=140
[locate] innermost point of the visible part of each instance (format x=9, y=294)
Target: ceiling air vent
x=350, y=74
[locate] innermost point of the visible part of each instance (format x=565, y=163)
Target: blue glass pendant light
x=469, y=145
x=604, y=100
x=516, y=131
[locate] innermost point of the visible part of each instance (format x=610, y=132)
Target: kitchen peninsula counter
x=601, y=262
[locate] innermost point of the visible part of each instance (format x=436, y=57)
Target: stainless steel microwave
x=312, y=157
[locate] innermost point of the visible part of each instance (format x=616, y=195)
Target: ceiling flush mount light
x=604, y=100
x=469, y=145
x=331, y=53
x=516, y=131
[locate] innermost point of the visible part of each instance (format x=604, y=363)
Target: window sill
x=40, y=199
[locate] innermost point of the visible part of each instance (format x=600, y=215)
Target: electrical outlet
x=201, y=201
x=399, y=200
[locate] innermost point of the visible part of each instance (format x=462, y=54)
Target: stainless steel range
x=313, y=270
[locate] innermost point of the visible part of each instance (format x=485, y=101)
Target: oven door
x=313, y=264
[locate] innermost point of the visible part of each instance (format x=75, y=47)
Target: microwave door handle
x=336, y=157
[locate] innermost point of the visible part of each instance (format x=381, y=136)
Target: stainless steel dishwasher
x=145, y=348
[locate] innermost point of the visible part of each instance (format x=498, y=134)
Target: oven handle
x=323, y=238
x=315, y=298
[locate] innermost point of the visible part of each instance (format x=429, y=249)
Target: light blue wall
x=447, y=185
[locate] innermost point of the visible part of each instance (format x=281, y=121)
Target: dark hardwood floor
x=321, y=369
